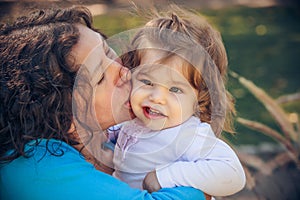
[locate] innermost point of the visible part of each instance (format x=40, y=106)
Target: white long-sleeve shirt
x=186, y=155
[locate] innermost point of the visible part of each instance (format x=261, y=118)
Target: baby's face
x=161, y=96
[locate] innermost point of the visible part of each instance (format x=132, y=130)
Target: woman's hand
x=207, y=196
x=151, y=183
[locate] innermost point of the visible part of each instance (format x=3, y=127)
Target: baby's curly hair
x=37, y=77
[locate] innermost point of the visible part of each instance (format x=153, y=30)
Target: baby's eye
x=146, y=82
x=175, y=90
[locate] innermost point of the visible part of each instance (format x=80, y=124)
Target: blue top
x=69, y=176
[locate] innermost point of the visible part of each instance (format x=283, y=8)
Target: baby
x=180, y=104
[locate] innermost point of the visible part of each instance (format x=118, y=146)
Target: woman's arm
x=103, y=186
x=70, y=176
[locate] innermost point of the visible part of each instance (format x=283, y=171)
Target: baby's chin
x=160, y=126
x=156, y=126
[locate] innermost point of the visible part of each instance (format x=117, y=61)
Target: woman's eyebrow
x=102, y=40
x=94, y=62
x=107, y=49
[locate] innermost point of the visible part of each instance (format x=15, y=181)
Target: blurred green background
x=263, y=45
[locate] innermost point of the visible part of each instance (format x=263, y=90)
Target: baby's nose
x=158, y=95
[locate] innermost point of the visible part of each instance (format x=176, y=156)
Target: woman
x=49, y=133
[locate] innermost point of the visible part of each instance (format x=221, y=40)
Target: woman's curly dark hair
x=36, y=77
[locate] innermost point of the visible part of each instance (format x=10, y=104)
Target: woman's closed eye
x=101, y=79
x=175, y=90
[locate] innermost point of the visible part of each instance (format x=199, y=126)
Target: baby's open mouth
x=150, y=112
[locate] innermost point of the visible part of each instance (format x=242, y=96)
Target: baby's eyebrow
x=154, y=79
x=144, y=74
x=181, y=84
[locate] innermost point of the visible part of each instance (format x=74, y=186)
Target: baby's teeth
x=153, y=111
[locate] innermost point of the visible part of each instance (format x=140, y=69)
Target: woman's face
x=111, y=81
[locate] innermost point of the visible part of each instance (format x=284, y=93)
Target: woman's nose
x=158, y=95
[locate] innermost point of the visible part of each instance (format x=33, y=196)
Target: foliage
x=289, y=136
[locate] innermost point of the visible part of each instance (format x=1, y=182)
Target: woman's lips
x=152, y=113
